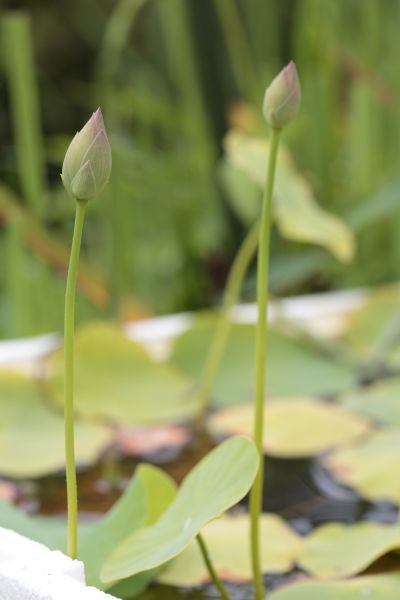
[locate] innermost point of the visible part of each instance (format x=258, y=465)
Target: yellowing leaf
x=337, y=550
x=371, y=467
x=293, y=427
x=374, y=587
x=116, y=379
x=296, y=212
x=228, y=543
x=32, y=433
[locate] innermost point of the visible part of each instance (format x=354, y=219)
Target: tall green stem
x=69, y=324
x=210, y=568
x=261, y=350
x=218, y=343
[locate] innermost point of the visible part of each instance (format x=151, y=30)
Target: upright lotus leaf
x=338, y=550
x=295, y=209
x=218, y=482
x=380, y=401
x=370, y=467
x=293, y=367
x=150, y=492
x=369, y=328
x=373, y=587
x=116, y=379
x=228, y=544
x=31, y=432
x=294, y=427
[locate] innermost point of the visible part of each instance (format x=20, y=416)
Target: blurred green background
x=173, y=77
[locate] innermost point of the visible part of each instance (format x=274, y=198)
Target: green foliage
x=218, y=482
x=149, y=493
x=311, y=372
x=163, y=222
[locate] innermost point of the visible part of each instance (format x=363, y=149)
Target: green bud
x=283, y=97
x=87, y=163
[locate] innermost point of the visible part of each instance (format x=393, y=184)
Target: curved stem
x=210, y=568
x=69, y=324
x=261, y=350
x=216, y=349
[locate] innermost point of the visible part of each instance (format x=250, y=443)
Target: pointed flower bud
x=87, y=163
x=283, y=97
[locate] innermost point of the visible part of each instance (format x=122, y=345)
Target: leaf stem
x=69, y=324
x=261, y=350
x=210, y=568
x=218, y=343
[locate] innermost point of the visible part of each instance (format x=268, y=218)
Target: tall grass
x=172, y=232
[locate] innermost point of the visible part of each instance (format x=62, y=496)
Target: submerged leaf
x=292, y=367
x=116, y=379
x=296, y=211
x=228, y=544
x=32, y=433
x=293, y=427
x=218, y=482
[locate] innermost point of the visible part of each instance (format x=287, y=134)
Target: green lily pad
x=228, y=544
x=116, y=379
x=380, y=401
x=292, y=367
x=294, y=427
x=336, y=550
x=296, y=212
x=215, y=484
x=374, y=587
x=370, y=467
x=32, y=433
x=371, y=325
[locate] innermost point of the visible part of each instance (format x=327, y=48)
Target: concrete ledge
x=30, y=571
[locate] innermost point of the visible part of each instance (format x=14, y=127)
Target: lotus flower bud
x=283, y=97
x=87, y=163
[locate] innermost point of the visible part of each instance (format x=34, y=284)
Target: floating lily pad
x=336, y=550
x=228, y=543
x=370, y=467
x=295, y=427
x=292, y=367
x=32, y=433
x=369, y=327
x=295, y=209
x=380, y=401
x=374, y=587
x=215, y=484
x=116, y=379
